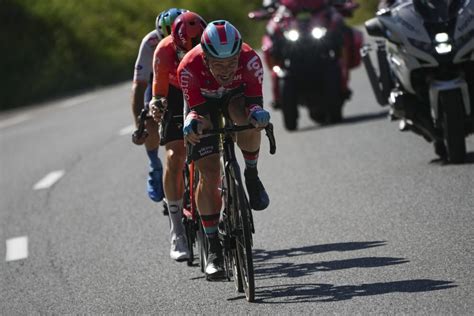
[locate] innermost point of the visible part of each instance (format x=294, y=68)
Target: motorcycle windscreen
x=437, y=11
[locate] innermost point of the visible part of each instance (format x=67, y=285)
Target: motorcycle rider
x=167, y=95
x=222, y=68
x=141, y=96
x=351, y=56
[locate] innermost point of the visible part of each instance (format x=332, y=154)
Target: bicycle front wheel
x=244, y=242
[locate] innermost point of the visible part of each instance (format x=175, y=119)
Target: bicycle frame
x=237, y=219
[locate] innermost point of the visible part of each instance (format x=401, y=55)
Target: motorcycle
x=426, y=70
x=310, y=53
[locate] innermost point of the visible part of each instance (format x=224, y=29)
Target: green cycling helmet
x=165, y=19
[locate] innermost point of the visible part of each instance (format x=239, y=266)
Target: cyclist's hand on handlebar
x=193, y=127
x=138, y=139
x=158, y=107
x=258, y=116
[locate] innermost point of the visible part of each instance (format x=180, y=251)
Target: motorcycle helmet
x=186, y=30
x=221, y=40
x=165, y=20
x=438, y=10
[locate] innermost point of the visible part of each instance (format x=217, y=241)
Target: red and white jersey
x=198, y=84
x=144, y=63
x=165, y=66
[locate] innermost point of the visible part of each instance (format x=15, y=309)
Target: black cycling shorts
x=172, y=123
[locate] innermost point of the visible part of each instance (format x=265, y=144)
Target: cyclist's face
x=223, y=69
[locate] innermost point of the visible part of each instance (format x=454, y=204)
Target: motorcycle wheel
x=453, y=125
x=289, y=104
x=334, y=95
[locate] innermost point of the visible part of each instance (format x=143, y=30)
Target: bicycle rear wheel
x=244, y=241
x=190, y=230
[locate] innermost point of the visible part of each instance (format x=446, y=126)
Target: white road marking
x=76, y=101
x=14, y=120
x=17, y=248
x=127, y=130
x=49, y=180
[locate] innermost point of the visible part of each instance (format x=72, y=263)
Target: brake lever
x=271, y=138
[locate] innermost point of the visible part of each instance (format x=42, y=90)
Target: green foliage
x=50, y=47
x=366, y=11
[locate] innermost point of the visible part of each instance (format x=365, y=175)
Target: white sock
x=175, y=209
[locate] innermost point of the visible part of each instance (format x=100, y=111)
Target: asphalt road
x=360, y=222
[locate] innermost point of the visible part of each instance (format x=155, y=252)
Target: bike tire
x=453, y=125
x=191, y=238
x=239, y=286
x=244, y=242
x=233, y=225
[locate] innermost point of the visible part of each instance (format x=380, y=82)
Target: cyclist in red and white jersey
x=167, y=96
x=141, y=96
x=222, y=72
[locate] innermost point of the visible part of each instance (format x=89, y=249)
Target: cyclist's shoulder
x=166, y=49
x=193, y=61
x=248, y=54
x=151, y=39
x=167, y=42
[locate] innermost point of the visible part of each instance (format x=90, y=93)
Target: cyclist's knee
x=153, y=139
x=249, y=139
x=175, y=156
x=237, y=111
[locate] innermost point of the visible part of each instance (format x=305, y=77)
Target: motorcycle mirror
x=375, y=28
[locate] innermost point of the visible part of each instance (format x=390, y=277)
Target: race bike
x=310, y=52
x=426, y=70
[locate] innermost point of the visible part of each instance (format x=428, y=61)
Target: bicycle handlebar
x=236, y=128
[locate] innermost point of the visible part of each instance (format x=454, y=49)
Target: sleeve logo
x=255, y=65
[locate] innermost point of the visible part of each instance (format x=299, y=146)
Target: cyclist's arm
x=161, y=69
x=138, y=98
x=253, y=78
x=142, y=72
x=249, y=101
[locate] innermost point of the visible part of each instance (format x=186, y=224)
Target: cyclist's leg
x=249, y=143
x=173, y=183
x=208, y=197
x=248, y=140
x=152, y=143
x=209, y=201
x=172, y=139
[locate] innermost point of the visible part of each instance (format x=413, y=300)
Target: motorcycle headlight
x=318, y=32
x=442, y=37
x=443, y=45
x=443, y=48
x=292, y=35
x=279, y=71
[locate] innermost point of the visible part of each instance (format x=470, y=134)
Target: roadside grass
x=55, y=47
